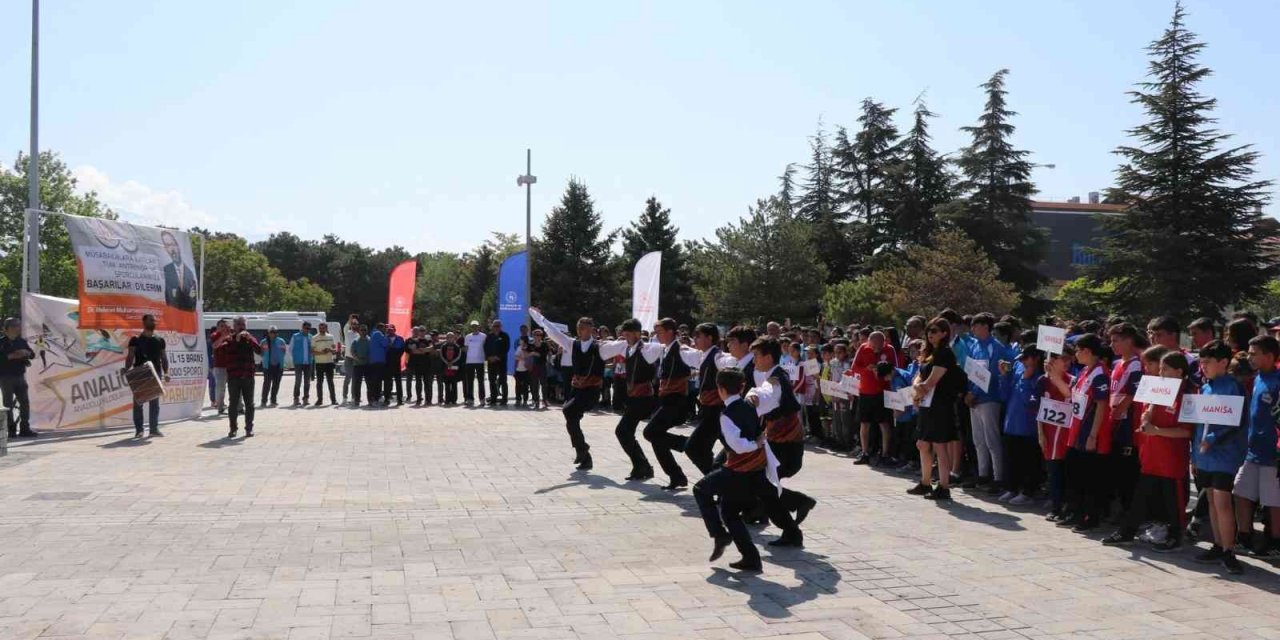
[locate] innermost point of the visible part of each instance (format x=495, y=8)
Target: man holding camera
x=238, y=348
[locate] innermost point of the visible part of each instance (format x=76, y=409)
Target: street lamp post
x=527, y=181
x=31, y=247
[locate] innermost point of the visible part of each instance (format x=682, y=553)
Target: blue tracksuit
x=1227, y=443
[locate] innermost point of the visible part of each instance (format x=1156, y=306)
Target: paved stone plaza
x=471, y=524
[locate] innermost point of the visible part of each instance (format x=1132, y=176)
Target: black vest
x=587, y=364
x=707, y=372
x=788, y=403
x=639, y=370
x=744, y=417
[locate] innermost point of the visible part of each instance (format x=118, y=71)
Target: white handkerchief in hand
x=771, y=467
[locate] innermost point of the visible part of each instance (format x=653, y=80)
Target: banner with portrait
x=77, y=379
x=128, y=270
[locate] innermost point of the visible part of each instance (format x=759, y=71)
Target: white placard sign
x=850, y=385
x=1054, y=412
x=979, y=373
x=1050, y=339
x=897, y=400
x=792, y=371
x=812, y=367
x=833, y=390
x=1157, y=390
x=1212, y=409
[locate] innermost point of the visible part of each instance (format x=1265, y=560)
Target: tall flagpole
x=527, y=181
x=32, y=245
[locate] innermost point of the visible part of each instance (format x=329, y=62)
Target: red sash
x=586, y=382
x=785, y=429
x=745, y=462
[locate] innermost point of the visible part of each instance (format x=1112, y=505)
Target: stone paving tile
x=458, y=524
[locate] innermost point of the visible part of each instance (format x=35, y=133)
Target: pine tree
x=919, y=182
x=787, y=187
x=996, y=210
x=654, y=232
x=862, y=169
x=818, y=206
x=759, y=269
x=1191, y=242
x=572, y=274
x=482, y=282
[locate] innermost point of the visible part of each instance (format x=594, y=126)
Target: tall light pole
x=527, y=181
x=32, y=244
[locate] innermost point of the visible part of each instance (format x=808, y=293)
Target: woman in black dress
x=936, y=391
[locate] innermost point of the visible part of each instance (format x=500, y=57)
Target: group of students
x=746, y=400
x=976, y=385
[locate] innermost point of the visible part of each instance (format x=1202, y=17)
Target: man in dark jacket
x=497, y=345
x=15, y=357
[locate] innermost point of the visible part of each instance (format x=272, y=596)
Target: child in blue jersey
x=1021, y=399
x=1256, y=482
x=1218, y=452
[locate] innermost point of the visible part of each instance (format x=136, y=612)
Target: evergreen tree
x=863, y=168
x=760, y=269
x=819, y=207
x=482, y=278
x=1191, y=242
x=654, y=232
x=787, y=187
x=572, y=274
x=996, y=210
x=919, y=182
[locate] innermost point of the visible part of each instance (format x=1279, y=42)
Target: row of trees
x=875, y=226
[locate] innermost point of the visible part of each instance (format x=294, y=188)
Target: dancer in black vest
x=588, y=356
x=674, y=371
x=699, y=445
x=742, y=479
x=786, y=440
x=638, y=392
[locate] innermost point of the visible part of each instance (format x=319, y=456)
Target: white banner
x=1157, y=390
x=1212, y=409
x=77, y=378
x=898, y=400
x=1055, y=412
x=644, y=292
x=1050, y=339
x=833, y=390
x=979, y=373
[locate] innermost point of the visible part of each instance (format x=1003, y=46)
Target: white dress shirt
x=475, y=347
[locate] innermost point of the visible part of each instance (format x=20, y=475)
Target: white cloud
x=137, y=202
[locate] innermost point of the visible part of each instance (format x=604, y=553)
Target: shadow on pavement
x=126, y=443
x=772, y=600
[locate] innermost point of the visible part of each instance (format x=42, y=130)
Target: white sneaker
x=1021, y=500
x=1007, y=496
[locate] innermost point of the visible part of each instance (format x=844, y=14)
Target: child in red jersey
x=1055, y=440
x=1090, y=393
x=1165, y=455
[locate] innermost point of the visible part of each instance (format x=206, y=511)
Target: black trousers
x=420, y=383
x=670, y=413
x=579, y=402
x=699, y=445
x=636, y=409
x=324, y=373
x=473, y=374
x=1156, y=499
x=522, y=387
x=241, y=392
x=271, y=383
x=302, y=381
x=737, y=492
x=17, y=396
x=497, y=381
x=537, y=386
x=790, y=457
x=153, y=415
x=392, y=378
x=1086, y=490
x=450, y=393
x=1023, y=464
x=620, y=396
x=1122, y=477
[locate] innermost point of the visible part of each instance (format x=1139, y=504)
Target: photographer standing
x=15, y=357
x=238, y=348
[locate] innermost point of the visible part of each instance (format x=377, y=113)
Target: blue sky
x=399, y=122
